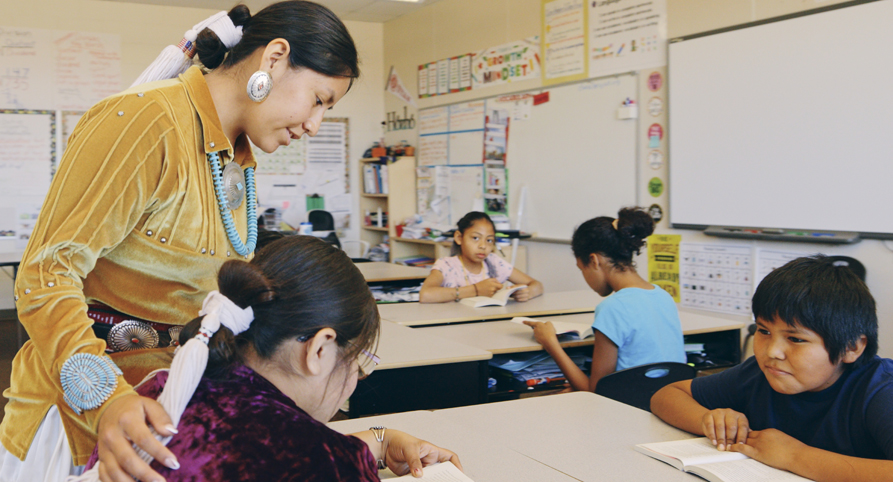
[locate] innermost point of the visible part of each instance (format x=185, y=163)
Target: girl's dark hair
x=466, y=222
x=599, y=236
x=296, y=286
x=829, y=299
x=318, y=39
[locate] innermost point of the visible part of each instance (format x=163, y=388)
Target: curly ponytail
x=618, y=243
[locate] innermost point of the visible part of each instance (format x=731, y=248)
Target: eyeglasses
x=367, y=363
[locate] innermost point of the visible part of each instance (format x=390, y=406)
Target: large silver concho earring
x=259, y=86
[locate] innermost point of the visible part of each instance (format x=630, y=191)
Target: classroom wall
x=452, y=27
x=146, y=29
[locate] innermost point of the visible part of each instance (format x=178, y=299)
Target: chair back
x=321, y=220
x=635, y=386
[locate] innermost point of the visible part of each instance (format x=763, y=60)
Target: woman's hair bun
x=209, y=48
x=244, y=283
x=633, y=226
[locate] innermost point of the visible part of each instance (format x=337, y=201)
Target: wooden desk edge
x=426, y=363
x=492, y=317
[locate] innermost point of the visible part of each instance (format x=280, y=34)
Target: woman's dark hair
x=466, y=222
x=599, y=236
x=318, y=39
x=824, y=297
x=296, y=286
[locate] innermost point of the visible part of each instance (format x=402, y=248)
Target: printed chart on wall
x=27, y=149
x=309, y=173
x=452, y=134
x=626, y=35
x=55, y=69
x=770, y=259
x=564, y=41
x=716, y=277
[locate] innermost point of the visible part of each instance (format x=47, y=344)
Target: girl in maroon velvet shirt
x=259, y=411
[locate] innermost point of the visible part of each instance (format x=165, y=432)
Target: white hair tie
x=175, y=59
x=218, y=310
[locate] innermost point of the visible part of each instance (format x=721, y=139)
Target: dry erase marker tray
x=773, y=234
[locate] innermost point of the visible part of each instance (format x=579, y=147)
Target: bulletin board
x=566, y=145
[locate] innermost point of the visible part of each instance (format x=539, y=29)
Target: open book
x=562, y=328
x=700, y=457
x=500, y=298
x=443, y=472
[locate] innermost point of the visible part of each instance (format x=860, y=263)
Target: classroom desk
x=482, y=459
x=503, y=336
x=578, y=435
x=419, y=314
x=379, y=272
x=420, y=371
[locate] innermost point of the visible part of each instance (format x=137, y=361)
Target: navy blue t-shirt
x=852, y=417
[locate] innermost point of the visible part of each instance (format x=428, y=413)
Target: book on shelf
x=421, y=261
x=500, y=298
x=564, y=329
x=375, y=179
x=700, y=457
x=442, y=472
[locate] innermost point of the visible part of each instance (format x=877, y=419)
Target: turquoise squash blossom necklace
x=228, y=186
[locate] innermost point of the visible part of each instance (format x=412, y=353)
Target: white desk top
x=401, y=346
x=378, y=271
x=482, y=459
x=503, y=336
x=581, y=435
x=418, y=314
x=11, y=257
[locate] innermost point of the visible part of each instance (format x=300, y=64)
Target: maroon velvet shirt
x=244, y=429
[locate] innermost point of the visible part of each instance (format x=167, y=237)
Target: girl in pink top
x=474, y=270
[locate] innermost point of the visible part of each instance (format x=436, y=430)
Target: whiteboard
x=576, y=158
x=784, y=124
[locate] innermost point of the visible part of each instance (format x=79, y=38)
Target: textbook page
x=500, y=298
x=743, y=471
x=443, y=472
x=561, y=327
x=687, y=452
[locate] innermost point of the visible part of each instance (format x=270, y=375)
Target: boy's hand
x=771, y=447
x=522, y=294
x=543, y=332
x=488, y=287
x=725, y=427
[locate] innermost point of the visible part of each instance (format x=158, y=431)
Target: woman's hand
x=544, y=332
x=725, y=427
x=405, y=453
x=124, y=423
x=488, y=287
x=522, y=294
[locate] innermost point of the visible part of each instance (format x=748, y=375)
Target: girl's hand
x=522, y=294
x=488, y=287
x=124, y=423
x=725, y=427
x=544, y=332
x=405, y=453
x=771, y=447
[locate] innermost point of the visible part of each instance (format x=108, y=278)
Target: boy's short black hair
x=830, y=300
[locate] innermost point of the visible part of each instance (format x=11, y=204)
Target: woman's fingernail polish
x=172, y=463
x=171, y=429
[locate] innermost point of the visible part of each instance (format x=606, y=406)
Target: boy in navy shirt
x=815, y=399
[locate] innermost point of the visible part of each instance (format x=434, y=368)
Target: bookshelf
x=399, y=202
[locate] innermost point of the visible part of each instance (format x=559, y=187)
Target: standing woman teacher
x=154, y=193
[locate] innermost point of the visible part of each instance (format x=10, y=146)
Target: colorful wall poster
x=465, y=72
x=443, y=76
x=432, y=79
x=423, y=81
x=511, y=62
x=496, y=133
x=454, y=75
x=626, y=35
x=564, y=44
x=663, y=262
x=495, y=188
x=434, y=125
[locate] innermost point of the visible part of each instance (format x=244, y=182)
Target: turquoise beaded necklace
x=243, y=248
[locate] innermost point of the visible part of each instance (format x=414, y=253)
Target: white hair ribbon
x=218, y=310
